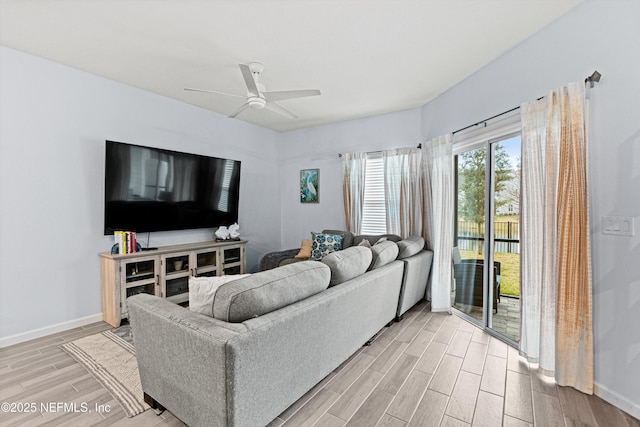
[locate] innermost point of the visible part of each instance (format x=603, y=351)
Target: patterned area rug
x=111, y=359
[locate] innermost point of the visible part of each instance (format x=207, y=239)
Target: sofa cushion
x=347, y=237
x=383, y=253
x=290, y=261
x=266, y=291
x=203, y=289
x=410, y=246
x=323, y=244
x=347, y=263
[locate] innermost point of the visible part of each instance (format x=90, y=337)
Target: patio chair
x=469, y=275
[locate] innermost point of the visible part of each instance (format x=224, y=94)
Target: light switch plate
x=618, y=225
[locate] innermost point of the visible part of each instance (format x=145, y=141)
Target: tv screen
x=151, y=189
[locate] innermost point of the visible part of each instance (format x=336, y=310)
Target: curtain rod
x=490, y=118
x=368, y=152
x=593, y=78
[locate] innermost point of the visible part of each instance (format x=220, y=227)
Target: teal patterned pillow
x=324, y=244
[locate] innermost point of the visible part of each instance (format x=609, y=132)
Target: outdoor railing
x=506, y=236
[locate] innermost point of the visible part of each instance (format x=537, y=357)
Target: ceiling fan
x=257, y=97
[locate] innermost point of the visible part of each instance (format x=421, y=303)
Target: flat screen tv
x=152, y=189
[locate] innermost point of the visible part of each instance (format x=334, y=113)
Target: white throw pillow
x=203, y=289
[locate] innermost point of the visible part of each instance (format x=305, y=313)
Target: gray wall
x=55, y=120
x=319, y=147
x=602, y=35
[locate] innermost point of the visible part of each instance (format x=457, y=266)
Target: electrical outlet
x=618, y=225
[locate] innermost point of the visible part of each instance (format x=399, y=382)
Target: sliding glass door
x=486, y=235
x=469, y=232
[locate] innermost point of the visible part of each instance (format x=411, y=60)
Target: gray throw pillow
x=348, y=263
x=410, y=246
x=365, y=243
x=374, y=238
x=383, y=253
x=266, y=291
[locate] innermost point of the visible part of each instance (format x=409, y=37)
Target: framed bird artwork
x=310, y=186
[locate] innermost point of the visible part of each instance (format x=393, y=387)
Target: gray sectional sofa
x=417, y=263
x=280, y=258
x=273, y=335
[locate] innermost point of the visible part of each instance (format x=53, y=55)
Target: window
x=383, y=192
x=374, y=217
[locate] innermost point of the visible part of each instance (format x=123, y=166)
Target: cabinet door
x=174, y=277
x=139, y=275
x=233, y=259
x=204, y=262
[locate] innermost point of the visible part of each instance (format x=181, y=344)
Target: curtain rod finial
x=593, y=78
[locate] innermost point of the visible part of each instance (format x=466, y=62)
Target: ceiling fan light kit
x=257, y=97
x=256, y=102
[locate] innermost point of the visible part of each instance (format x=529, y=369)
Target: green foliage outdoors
x=471, y=185
x=471, y=203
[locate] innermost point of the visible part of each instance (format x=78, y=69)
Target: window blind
x=374, y=217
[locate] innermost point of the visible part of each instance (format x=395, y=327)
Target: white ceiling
x=367, y=57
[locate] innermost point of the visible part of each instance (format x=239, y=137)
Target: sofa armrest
x=273, y=259
x=414, y=281
x=182, y=358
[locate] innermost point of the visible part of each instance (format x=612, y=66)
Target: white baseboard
x=48, y=330
x=616, y=400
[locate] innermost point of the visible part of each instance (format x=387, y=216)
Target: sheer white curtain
x=437, y=169
x=403, y=191
x=556, y=265
x=354, y=166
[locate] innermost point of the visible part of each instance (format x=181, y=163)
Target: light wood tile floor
x=431, y=369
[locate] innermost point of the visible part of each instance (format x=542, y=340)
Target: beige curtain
x=556, y=262
x=354, y=166
x=437, y=172
x=418, y=199
x=403, y=191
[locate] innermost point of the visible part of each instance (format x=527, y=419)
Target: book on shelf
x=127, y=241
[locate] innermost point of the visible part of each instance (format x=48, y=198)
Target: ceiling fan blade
x=239, y=110
x=289, y=94
x=248, y=79
x=280, y=110
x=214, y=91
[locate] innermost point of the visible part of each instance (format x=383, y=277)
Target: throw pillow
x=383, y=253
x=323, y=244
x=305, y=250
x=347, y=263
x=410, y=246
x=365, y=243
x=202, y=291
x=374, y=238
x=347, y=237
